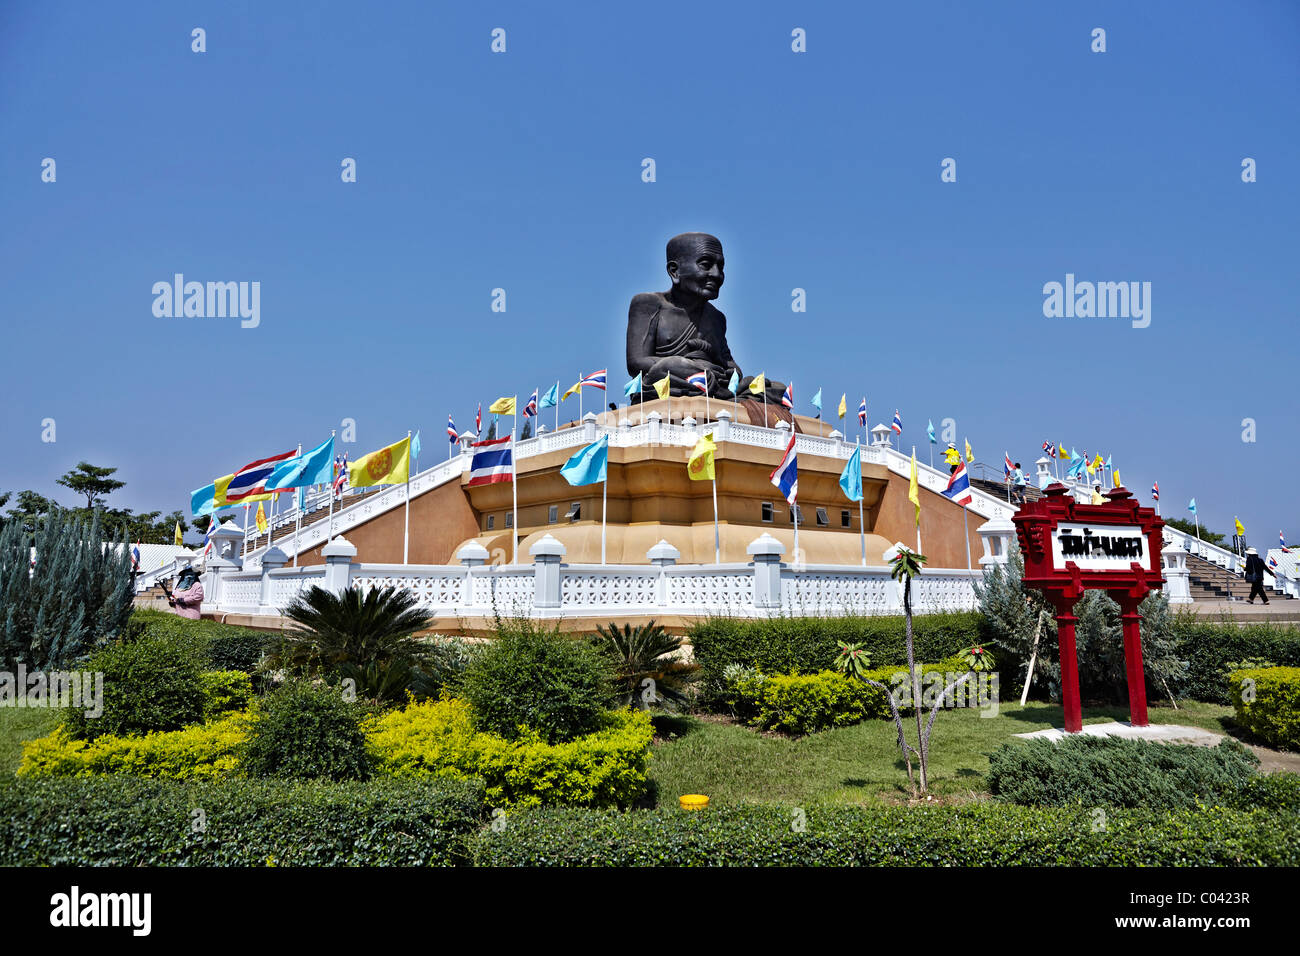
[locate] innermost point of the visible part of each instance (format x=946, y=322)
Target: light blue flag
x=1191, y=506
x=552, y=397
x=302, y=497
x=1108, y=464
x=929, y=430
x=851, y=477
x=734, y=384
x=415, y=445
x=633, y=387
x=202, y=499
x=315, y=467
x=588, y=466
x=817, y=400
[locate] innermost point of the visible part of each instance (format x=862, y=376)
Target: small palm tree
x=647, y=653
x=368, y=638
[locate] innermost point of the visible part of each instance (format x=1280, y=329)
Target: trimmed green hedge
x=124, y=821
x=1273, y=715
x=786, y=645
x=1114, y=772
x=1210, y=646
x=969, y=835
x=221, y=646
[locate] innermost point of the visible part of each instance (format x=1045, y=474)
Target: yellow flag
x=503, y=406
x=969, y=456
x=843, y=404
x=180, y=541
x=576, y=385
x=700, y=465
x=388, y=466
x=662, y=386
x=261, y=517
x=913, y=494
x=1115, y=479
x=1241, y=530
x=758, y=384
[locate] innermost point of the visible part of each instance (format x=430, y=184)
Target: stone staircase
x=1209, y=582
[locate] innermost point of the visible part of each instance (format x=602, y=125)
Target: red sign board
x=1069, y=548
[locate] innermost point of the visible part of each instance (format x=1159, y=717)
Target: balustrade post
x=589, y=427
x=767, y=552
x=662, y=555
x=1178, y=587
x=273, y=560
x=722, y=432
x=653, y=420
x=338, y=555
x=472, y=555
x=547, y=554
x=996, y=534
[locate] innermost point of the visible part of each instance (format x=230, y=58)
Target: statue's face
x=699, y=272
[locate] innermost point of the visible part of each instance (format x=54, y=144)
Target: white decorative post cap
x=723, y=415
x=837, y=435
x=689, y=421
x=589, y=417
x=996, y=526
x=783, y=425
x=472, y=553
x=274, y=556
x=765, y=544
x=340, y=547
x=546, y=547
x=663, y=553
x=654, y=417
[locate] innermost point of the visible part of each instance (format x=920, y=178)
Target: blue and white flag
x=786, y=475
x=589, y=466
x=734, y=385
x=929, y=430
x=851, y=476
x=552, y=396
x=1191, y=506
x=817, y=402
x=633, y=387
x=415, y=445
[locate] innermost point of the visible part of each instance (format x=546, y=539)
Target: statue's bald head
x=690, y=244
x=695, y=265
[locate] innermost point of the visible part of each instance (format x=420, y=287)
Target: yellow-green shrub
x=1274, y=713
x=436, y=739
x=224, y=691
x=200, y=752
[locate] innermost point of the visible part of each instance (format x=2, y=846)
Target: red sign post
x=1070, y=548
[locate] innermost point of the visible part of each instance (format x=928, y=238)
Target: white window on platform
x=510, y=519
x=553, y=514
x=575, y=512
x=491, y=522
x=767, y=511
x=846, y=519
x=823, y=520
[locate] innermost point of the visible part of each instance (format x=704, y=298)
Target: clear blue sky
x=522, y=171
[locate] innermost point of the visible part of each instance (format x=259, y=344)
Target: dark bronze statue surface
x=679, y=332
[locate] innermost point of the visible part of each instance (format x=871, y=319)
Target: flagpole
x=557, y=404
x=764, y=374
x=918, y=510
x=717, y=543
x=604, y=505
x=330, y=537
x=406, y=528
x=514, y=493
x=862, y=528
x=245, y=546
x=512, y=431
x=965, y=526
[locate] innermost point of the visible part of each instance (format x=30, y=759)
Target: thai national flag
x=787, y=397
x=595, y=380
x=530, y=410
x=452, y=437
x=1282, y=541
x=1008, y=466
x=478, y=420
x=207, y=538
x=341, y=479
x=786, y=475
x=1050, y=448
x=492, y=462
x=862, y=413
x=898, y=423
x=700, y=380
x=251, y=479
x=1155, y=491
x=135, y=557
x=1272, y=561
x=959, y=486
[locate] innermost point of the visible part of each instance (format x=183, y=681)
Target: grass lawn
x=18, y=724
x=861, y=764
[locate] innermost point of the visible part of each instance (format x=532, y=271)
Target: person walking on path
x=951, y=457
x=1018, y=478
x=1255, y=571
x=187, y=599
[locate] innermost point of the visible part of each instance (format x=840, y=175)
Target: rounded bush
x=149, y=684
x=304, y=732
x=555, y=686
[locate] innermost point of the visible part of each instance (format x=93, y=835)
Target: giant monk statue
x=679, y=333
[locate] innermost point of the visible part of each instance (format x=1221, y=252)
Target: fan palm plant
x=647, y=663
x=368, y=638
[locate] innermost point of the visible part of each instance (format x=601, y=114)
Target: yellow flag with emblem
x=179, y=540
x=700, y=465
x=758, y=384
x=844, y=406
x=969, y=455
x=913, y=494
x=573, y=388
x=388, y=466
x=662, y=386
x=503, y=406
x=261, y=518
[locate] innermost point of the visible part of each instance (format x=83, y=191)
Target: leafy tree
x=29, y=509
x=92, y=481
x=1189, y=527
x=648, y=663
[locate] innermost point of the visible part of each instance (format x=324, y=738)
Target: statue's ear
x=672, y=270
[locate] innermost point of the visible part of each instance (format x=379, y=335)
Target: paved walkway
x=1269, y=760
